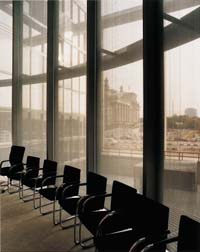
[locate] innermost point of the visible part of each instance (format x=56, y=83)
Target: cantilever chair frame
x=6, y=182
x=90, y=198
x=60, y=208
x=10, y=160
x=35, y=188
x=117, y=204
x=21, y=191
x=54, y=206
x=1, y=164
x=30, y=188
x=71, y=197
x=180, y=238
x=52, y=202
x=75, y=216
x=10, y=179
x=143, y=241
x=147, y=244
x=151, y=246
x=126, y=229
x=71, y=176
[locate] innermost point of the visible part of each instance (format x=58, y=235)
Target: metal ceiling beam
x=175, y=35
x=123, y=17
x=135, y=14
x=30, y=22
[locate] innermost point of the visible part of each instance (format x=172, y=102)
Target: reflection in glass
x=33, y=90
x=5, y=82
x=71, y=123
x=121, y=106
x=182, y=120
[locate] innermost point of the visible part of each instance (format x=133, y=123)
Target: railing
x=181, y=155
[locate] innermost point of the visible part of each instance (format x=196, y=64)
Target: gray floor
x=25, y=230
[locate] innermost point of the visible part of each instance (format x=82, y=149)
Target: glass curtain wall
x=182, y=136
x=120, y=137
x=5, y=79
x=34, y=77
x=70, y=140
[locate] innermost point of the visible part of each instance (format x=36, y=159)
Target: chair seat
x=15, y=176
x=32, y=182
x=48, y=193
x=118, y=242
x=69, y=205
x=92, y=220
x=4, y=171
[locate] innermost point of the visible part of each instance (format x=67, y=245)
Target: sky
x=182, y=64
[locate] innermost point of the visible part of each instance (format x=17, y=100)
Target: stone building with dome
x=121, y=110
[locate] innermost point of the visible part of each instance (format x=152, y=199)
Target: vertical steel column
x=153, y=98
x=52, y=72
x=17, y=72
x=93, y=79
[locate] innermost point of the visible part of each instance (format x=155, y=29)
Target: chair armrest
x=70, y=187
x=127, y=230
x=15, y=166
x=97, y=196
x=3, y=161
x=73, y=197
x=29, y=170
x=160, y=243
x=145, y=241
x=21, y=173
x=59, y=189
x=45, y=180
x=37, y=178
x=92, y=203
x=138, y=243
x=102, y=240
x=122, y=231
x=54, y=176
x=59, y=176
x=113, y=222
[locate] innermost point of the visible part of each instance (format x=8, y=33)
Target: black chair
x=188, y=239
x=96, y=184
x=16, y=172
x=120, y=199
x=15, y=157
x=30, y=170
x=70, y=176
x=49, y=171
x=145, y=219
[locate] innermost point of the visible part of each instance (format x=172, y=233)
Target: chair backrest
x=16, y=154
x=71, y=175
x=32, y=163
x=189, y=235
x=49, y=168
x=96, y=184
x=122, y=195
x=148, y=216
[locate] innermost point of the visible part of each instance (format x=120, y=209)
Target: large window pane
x=34, y=77
x=182, y=78
x=71, y=123
x=5, y=79
x=120, y=123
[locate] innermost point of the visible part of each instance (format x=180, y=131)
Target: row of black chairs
x=129, y=222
